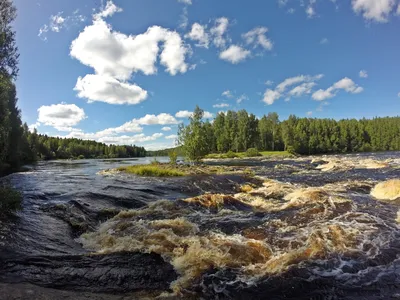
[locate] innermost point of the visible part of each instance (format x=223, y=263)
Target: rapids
x=301, y=228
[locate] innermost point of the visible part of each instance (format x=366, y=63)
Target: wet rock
x=115, y=273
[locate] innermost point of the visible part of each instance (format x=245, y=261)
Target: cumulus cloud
x=257, y=37
x=61, y=116
x=187, y=114
x=375, y=10
x=166, y=128
x=234, y=54
x=107, y=89
x=219, y=30
x=363, y=74
x=309, y=113
x=171, y=137
x=221, y=105
x=118, y=55
x=345, y=84
x=34, y=126
x=129, y=140
x=291, y=87
x=199, y=34
x=115, y=57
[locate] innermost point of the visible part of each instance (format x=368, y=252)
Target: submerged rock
x=387, y=190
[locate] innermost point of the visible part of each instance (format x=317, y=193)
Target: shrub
x=155, y=162
x=173, y=157
x=231, y=154
x=10, y=200
x=290, y=150
x=252, y=152
x=81, y=157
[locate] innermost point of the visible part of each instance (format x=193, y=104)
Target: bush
x=231, y=154
x=81, y=157
x=10, y=200
x=173, y=157
x=252, y=152
x=290, y=150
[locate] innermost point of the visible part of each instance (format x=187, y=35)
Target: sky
x=128, y=72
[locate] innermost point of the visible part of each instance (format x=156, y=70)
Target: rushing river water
x=294, y=231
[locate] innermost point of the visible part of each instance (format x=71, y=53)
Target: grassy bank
x=160, y=170
x=245, y=154
x=168, y=170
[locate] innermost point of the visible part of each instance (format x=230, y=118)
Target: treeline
x=62, y=148
x=239, y=131
x=13, y=137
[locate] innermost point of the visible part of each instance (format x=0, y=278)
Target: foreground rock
x=387, y=190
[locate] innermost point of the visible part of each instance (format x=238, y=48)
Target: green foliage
x=238, y=131
x=252, y=152
x=10, y=200
x=81, y=157
x=155, y=162
x=194, y=138
x=231, y=154
x=152, y=171
x=173, y=157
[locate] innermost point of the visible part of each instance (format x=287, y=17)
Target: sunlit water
x=307, y=234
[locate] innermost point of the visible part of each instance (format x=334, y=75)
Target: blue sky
x=127, y=72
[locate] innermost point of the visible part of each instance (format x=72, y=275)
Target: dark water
x=328, y=248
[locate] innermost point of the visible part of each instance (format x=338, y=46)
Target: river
x=296, y=233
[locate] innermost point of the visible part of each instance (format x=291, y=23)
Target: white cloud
x=297, y=79
x=221, y=105
x=242, y=98
x=310, y=11
x=302, y=89
x=42, y=32
x=219, y=30
x=161, y=119
x=257, y=37
x=321, y=95
x=269, y=82
x=234, y=54
x=188, y=2
x=166, y=128
x=61, y=116
x=324, y=41
x=227, y=94
x=363, y=74
x=109, y=10
x=376, y=10
x=199, y=34
x=118, y=55
x=303, y=85
x=398, y=95
x=345, y=84
x=56, y=22
x=129, y=140
x=398, y=10
x=309, y=113
x=107, y=89
x=34, y=126
x=270, y=96
x=187, y=114
x=171, y=137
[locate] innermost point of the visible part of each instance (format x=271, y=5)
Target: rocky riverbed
x=292, y=228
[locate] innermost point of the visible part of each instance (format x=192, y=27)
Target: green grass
x=243, y=154
x=152, y=170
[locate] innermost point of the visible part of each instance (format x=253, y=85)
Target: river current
x=297, y=228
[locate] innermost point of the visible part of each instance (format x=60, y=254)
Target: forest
x=239, y=131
